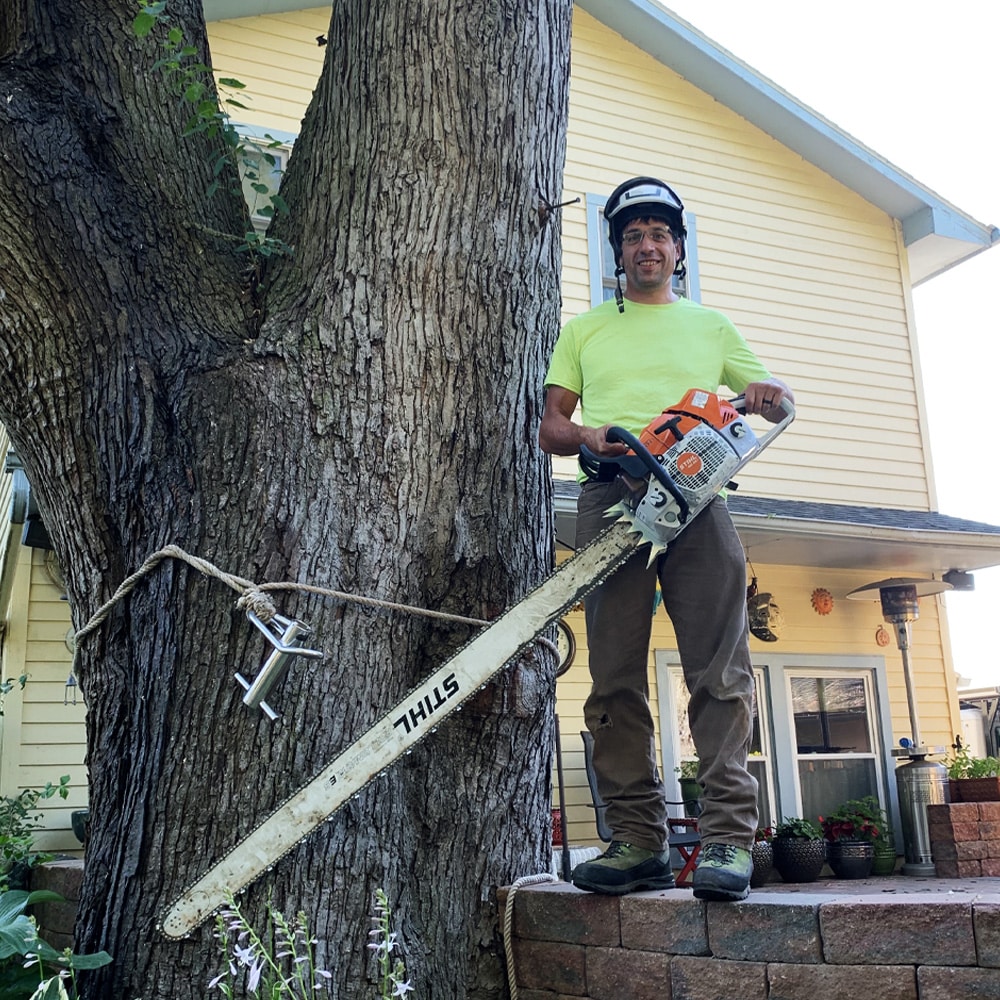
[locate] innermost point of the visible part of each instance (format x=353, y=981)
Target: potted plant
x=799, y=850
x=972, y=779
x=884, y=862
x=19, y=821
x=763, y=857
x=851, y=831
x=687, y=778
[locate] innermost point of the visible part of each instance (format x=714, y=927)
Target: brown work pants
x=703, y=582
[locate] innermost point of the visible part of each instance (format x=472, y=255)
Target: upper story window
x=602, y=264
x=262, y=166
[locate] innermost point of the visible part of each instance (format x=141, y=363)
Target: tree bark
x=360, y=415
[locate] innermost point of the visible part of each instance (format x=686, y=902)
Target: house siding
x=808, y=270
x=6, y=497
x=279, y=60
x=42, y=737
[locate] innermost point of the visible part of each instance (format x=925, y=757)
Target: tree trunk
x=360, y=415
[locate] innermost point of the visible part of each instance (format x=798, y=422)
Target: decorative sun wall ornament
x=881, y=636
x=822, y=601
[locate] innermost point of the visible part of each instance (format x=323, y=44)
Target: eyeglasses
x=635, y=236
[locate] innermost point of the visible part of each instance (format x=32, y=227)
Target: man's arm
x=765, y=398
x=559, y=435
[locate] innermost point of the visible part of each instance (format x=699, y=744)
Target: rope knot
x=257, y=602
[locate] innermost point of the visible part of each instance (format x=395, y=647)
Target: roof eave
x=773, y=539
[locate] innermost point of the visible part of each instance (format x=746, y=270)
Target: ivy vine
x=193, y=82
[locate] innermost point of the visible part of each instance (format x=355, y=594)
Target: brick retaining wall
x=782, y=945
x=965, y=839
x=55, y=920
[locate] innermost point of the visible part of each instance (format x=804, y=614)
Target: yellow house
x=786, y=212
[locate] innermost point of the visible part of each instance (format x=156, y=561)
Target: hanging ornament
x=765, y=618
x=881, y=637
x=822, y=601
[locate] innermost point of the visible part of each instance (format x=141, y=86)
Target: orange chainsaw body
x=697, y=407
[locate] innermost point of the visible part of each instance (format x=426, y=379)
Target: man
x=624, y=362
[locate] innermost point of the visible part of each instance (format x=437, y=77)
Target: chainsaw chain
x=630, y=542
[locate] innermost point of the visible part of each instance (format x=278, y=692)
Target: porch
x=894, y=938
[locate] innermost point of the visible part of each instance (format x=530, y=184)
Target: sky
x=918, y=83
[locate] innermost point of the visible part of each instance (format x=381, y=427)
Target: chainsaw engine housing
x=678, y=464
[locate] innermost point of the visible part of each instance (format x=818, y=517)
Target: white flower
x=401, y=989
x=253, y=978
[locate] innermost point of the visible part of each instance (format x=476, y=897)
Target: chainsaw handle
x=740, y=405
x=655, y=469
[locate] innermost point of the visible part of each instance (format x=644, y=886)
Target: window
x=262, y=165
x=831, y=718
x=602, y=263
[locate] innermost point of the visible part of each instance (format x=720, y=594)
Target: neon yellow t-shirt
x=628, y=367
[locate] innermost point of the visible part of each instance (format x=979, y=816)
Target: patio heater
x=919, y=782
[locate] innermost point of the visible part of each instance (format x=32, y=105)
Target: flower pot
x=691, y=792
x=80, y=821
x=763, y=863
x=884, y=862
x=851, y=858
x=797, y=859
x=974, y=789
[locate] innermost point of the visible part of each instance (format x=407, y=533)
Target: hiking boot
x=624, y=868
x=723, y=873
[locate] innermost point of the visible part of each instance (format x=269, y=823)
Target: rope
x=508, y=924
x=130, y=582
x=253, y=597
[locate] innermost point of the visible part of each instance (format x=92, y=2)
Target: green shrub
x=963, y=765
x=18, y=823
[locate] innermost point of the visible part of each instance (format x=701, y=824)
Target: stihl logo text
x=689, y=464
x=423, y=708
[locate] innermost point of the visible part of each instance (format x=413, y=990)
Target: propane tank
x=919, y=783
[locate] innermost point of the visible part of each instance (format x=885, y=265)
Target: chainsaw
x=673, y=470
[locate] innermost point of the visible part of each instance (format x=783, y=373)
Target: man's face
x=649, y=256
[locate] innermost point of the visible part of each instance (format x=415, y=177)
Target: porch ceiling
x=835, y=536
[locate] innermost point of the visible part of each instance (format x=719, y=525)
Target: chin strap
x=619, y=297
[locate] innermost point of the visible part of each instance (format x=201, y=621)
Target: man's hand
x=596, y=439
x=559, y=434
x=765, y=398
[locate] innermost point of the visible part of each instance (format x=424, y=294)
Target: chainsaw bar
x=415, y=716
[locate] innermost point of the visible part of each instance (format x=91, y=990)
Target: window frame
x=668, y=672
x=873, y=669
